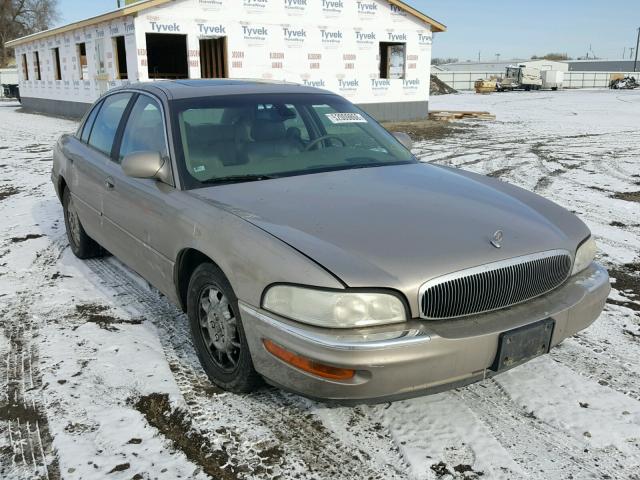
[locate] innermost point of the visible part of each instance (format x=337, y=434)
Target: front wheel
x=81, y=244
x=217, y=332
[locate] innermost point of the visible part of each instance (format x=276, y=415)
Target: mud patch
x=31, y=236
x=628, y=196
x=543, y=183
x=271, y=456
x=174, y=424
x=427, y=129
x=120, y=468
x=93, y=313
x=6, y=192
x=500, y=173
x=627, y=282
x=629, y=305
x=441, y=470
x=20, y=412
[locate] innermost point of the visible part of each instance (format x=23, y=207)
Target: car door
x=136, y=216
x=88, y=155
x=83, y=176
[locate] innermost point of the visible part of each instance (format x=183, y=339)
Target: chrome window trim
x=489, y=267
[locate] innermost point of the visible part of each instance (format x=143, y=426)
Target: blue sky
x=513, y=29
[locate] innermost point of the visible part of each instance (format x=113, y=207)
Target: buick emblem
x=496, y=241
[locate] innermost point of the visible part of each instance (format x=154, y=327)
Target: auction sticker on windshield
x=346, y=118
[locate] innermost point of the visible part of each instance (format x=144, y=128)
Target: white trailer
x=552, y=79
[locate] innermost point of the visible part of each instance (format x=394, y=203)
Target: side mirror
x=146, y=165
x=404, y=139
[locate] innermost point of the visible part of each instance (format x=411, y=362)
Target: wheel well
x=188, y=260
x=62, y=184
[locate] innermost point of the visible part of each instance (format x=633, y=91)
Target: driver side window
x=144, y=131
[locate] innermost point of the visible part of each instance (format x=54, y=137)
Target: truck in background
x=9, y=83
x=520, y=78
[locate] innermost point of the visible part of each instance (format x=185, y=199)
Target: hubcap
x=219, y=328
x=73, y=222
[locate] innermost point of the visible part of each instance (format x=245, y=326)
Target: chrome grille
x=494, y=286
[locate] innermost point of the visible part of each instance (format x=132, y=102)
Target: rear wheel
x=81, y=244
x=217, y=331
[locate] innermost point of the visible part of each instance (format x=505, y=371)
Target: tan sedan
x=311, y=249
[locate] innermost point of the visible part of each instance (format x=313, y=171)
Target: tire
x=81, y=244
x=217, y=331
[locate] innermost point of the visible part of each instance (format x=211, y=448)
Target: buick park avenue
x=311, y=249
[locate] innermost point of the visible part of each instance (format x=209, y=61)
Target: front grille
x=494, y=286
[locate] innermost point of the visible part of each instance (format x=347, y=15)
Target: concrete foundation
x=60, y=108
x=397, y=111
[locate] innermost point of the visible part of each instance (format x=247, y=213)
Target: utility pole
x=479, y=56
x=635, y=63
x=498, y=57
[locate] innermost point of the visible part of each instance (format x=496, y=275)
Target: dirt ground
x=99, y=379
x=429, y=130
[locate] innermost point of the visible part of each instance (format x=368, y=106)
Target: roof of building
x=601, y=65
x=480, y=66
x=181, y=89
x=497, y=66
x=147, y=4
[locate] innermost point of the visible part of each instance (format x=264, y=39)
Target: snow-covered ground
x=98, y=377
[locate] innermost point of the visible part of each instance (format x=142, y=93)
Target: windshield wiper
x=238, y=179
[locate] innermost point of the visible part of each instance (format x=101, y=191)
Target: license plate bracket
x=520, y=345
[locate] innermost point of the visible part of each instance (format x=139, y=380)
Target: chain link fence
x=466, y=80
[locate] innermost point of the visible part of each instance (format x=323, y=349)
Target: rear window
x=106, y=123
x=88, y=123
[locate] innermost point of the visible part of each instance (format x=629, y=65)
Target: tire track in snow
x=23, y=421
x=608, y=371
x=536, y=446
x=250, y=425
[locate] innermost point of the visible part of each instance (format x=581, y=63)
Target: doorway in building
x=213, y=57
x=392, y=60
x=121, y=58
x=167, y=56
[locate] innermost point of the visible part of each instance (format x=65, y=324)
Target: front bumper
x=420, y=356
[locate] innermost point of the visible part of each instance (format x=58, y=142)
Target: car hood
x=399, y=226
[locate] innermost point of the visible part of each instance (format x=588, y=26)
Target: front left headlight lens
x=334, y=309
x=585, y=255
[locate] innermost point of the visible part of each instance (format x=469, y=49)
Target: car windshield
x=258, y=137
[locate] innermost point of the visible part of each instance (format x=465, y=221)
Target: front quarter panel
x=251, y=258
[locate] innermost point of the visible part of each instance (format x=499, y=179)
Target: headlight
x=334, y=309
x=584, y=256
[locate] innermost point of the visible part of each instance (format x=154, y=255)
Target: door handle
x=108, y=183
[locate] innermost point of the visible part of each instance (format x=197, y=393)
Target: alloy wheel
x=219, y=328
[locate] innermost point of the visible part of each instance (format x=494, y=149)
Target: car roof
x=180, y=89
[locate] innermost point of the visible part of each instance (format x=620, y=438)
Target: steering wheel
x=320, y=139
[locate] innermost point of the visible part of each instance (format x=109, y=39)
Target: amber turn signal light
x=310, y=366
